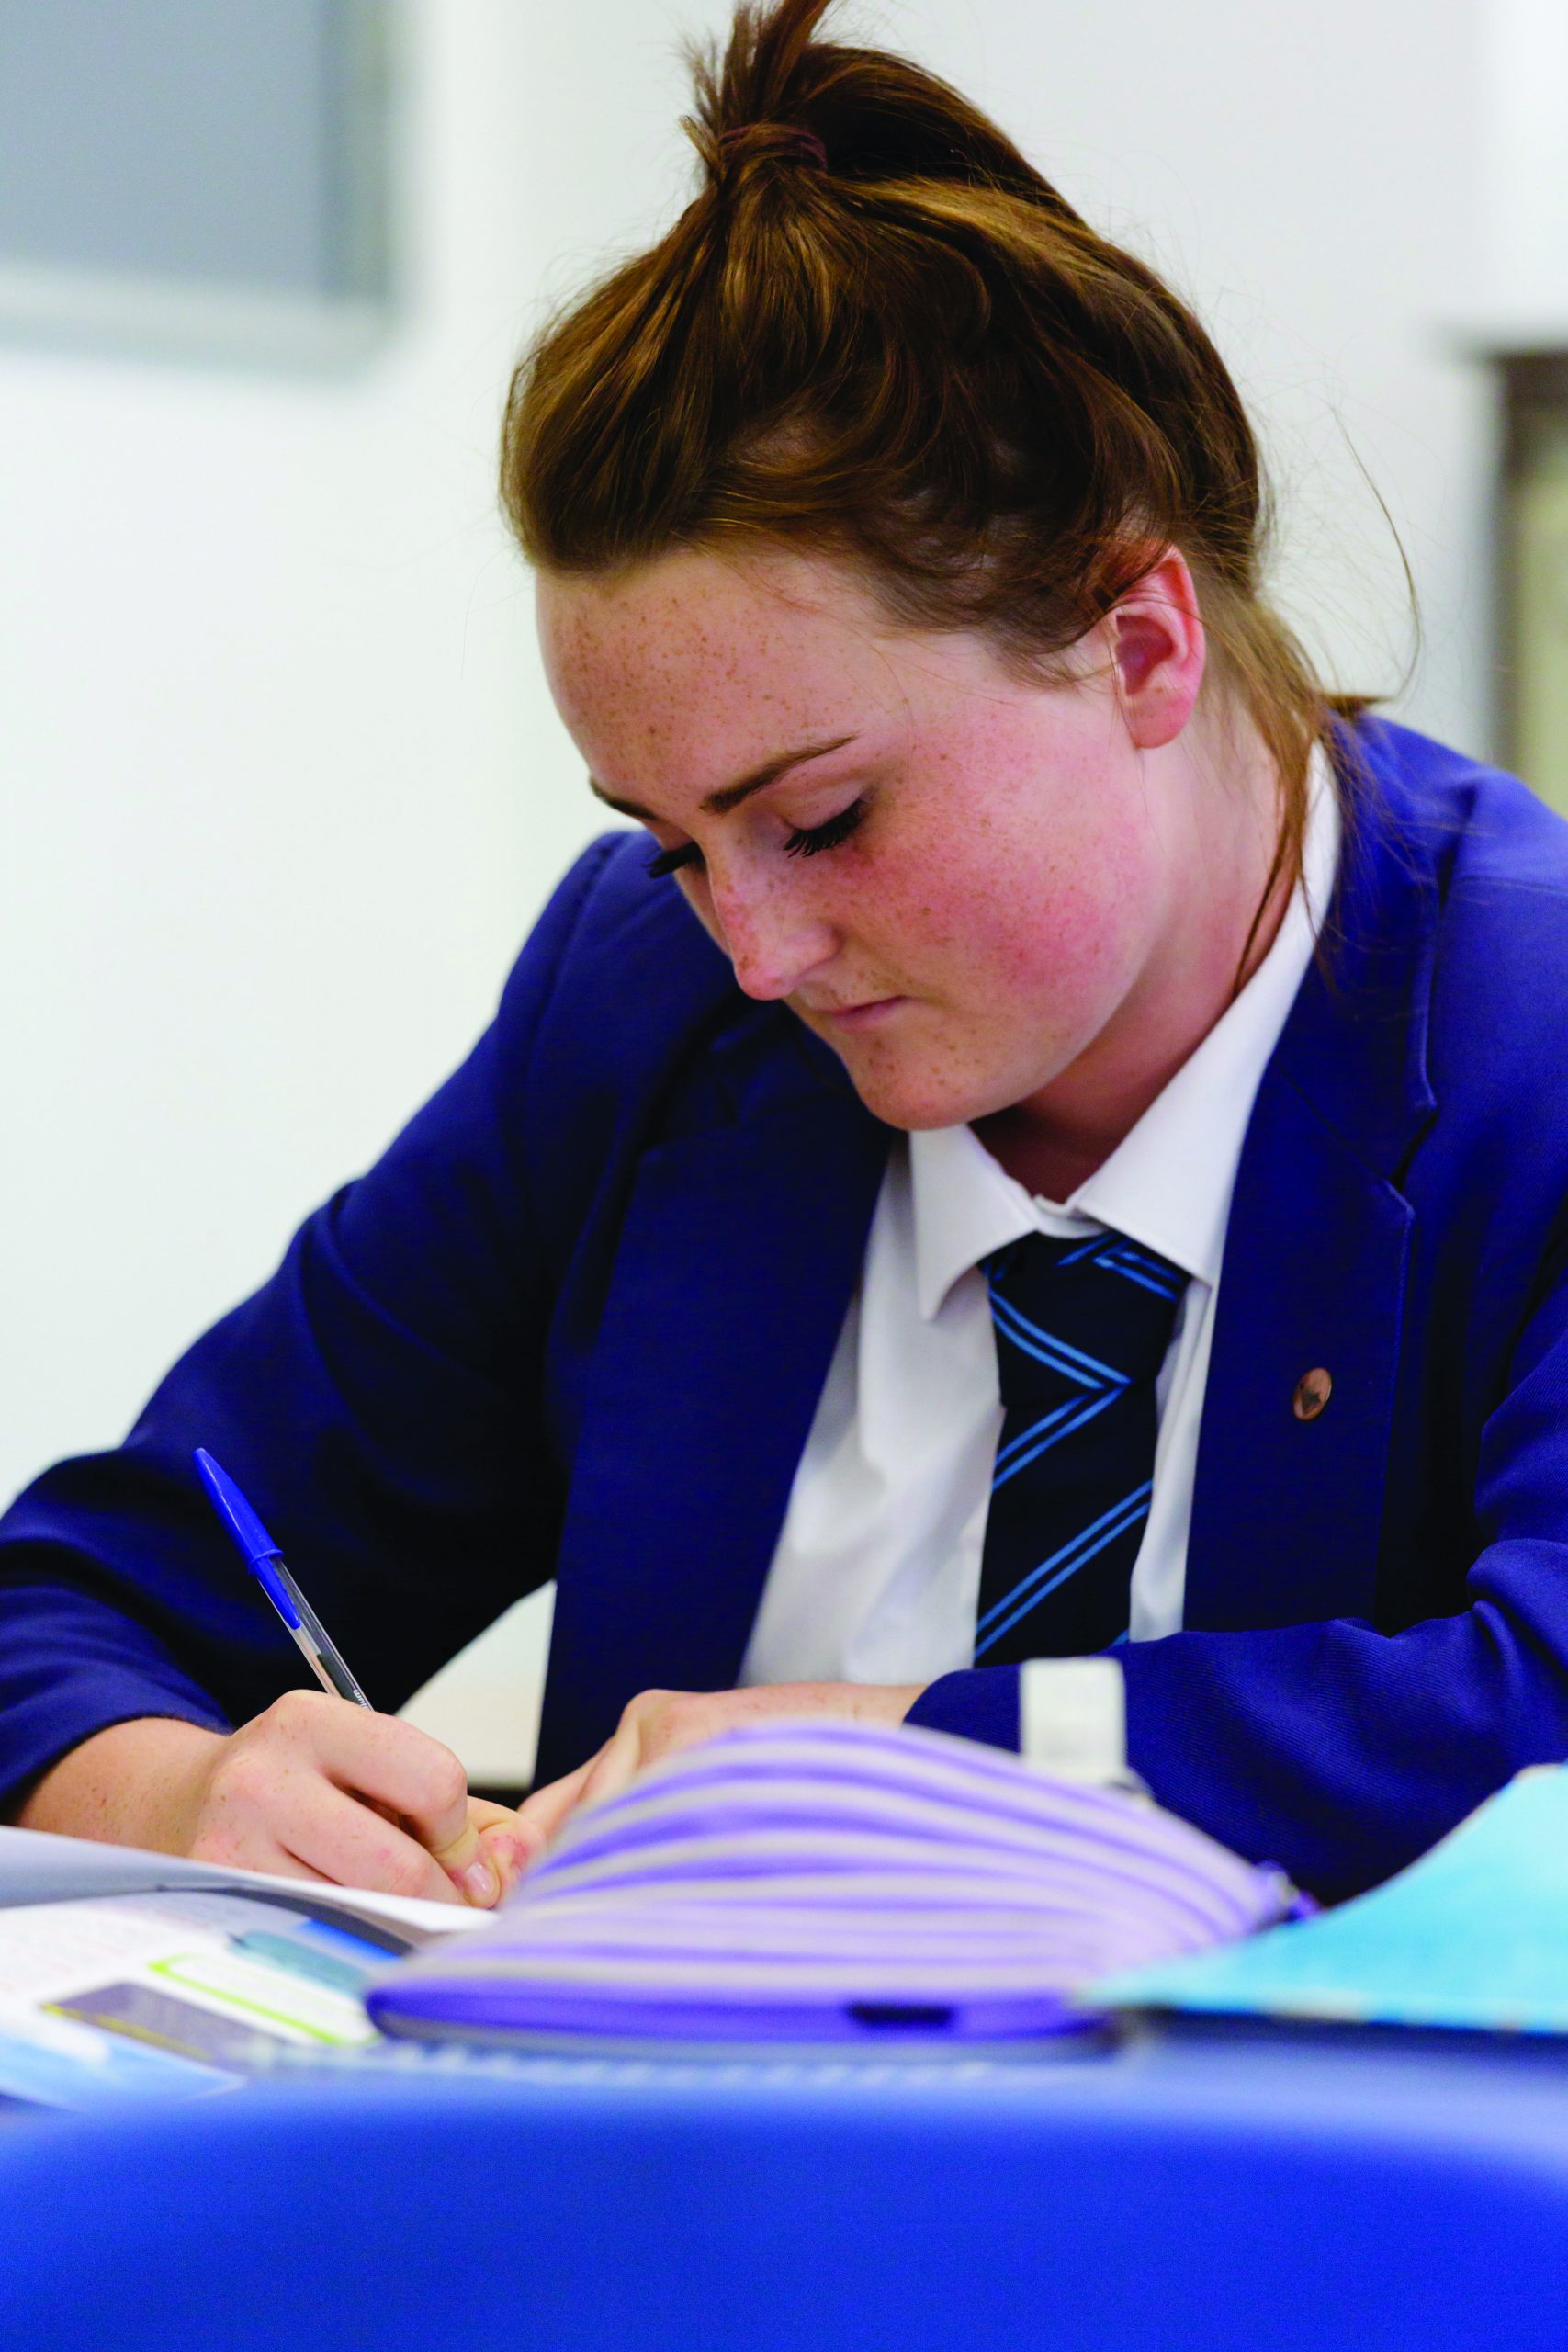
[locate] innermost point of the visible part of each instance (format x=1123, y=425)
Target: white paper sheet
x=36, y=1867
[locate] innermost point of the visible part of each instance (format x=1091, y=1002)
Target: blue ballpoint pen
x=265, y=1560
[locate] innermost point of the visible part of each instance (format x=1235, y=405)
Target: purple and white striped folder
x=831, y=1882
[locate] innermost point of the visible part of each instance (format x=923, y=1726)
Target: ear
x=1158, y=651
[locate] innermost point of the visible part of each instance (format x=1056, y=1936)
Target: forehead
x=712, y=656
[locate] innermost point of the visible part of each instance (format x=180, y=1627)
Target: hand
x=659, y=1723
x=313, y=1787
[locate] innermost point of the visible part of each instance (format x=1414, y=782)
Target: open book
x=129, y=1975
x=831, y=1882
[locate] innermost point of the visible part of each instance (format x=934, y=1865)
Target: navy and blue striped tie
x=1081, y=1328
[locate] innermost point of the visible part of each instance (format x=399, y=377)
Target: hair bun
x=784, y=142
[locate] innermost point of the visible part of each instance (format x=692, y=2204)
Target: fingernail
x=481, y=1884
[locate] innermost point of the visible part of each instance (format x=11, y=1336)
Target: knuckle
x=240, y=1780
x=294, y=1710
x=448, y=1780
x=645, y=1703
x=402, y=1870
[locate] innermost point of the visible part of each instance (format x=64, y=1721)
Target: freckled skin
x=1051, y=883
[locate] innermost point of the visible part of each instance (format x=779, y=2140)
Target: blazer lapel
x=737, y=1256
x=1287, y=1512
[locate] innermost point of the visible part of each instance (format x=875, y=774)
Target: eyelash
x=803, y=842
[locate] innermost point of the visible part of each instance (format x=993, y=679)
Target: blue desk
x=1193, y=2192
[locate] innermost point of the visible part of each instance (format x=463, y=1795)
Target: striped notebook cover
x=832, y=1883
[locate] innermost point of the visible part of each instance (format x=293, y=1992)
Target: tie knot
x=1094, y=1313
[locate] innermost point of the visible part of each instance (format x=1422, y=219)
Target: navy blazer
x=576, y=1322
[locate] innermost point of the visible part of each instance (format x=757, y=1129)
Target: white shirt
x=876, y=1574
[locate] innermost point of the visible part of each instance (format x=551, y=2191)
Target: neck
x=1224, y=915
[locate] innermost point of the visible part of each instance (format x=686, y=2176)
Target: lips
x=856, y=1016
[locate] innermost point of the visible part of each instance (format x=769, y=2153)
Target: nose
x=772, y=939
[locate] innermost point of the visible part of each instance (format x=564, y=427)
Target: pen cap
x=235, y=1513
x=261, y=1555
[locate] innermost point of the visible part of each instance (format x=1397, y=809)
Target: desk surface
x=1191, y=2188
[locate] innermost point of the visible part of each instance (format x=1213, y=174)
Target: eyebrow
x=731, y=796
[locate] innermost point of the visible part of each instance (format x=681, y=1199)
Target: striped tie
x=1081, y=1328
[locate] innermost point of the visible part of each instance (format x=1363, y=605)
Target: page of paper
x=37, y=1867
x=171, y=1995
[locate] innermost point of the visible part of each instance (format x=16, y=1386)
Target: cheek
x=1024, y=922
x=1077, y=941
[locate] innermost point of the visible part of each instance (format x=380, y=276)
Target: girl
x=1032, y=1205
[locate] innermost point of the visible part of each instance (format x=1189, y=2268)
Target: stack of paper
x=832, y=1883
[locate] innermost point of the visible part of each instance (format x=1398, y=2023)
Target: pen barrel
x=317, y=1644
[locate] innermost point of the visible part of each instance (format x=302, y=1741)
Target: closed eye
x=671, y=861
x=812, y=839
x=806, y=841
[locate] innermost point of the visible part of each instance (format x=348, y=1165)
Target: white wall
x=281, y=786
x=1525, y=296
x=274, y=808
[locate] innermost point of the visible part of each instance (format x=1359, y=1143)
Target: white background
x=282, y=787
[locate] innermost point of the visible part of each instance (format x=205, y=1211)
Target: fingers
x=421, y=1785
x=485, y=1813
x=495, y=1850
x=361, y=1798
x=300, y=1825
x=641, y=1733
x=472, y=1871
x=390, y=1762
x=505, y=1834
x=659, y=1723
x=510, y=1847
x=333, y=1833
x=633, y=1744
x=542, y=1813
x=274, y=1859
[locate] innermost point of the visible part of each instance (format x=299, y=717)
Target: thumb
x=513, y=1844
x=472, y=1868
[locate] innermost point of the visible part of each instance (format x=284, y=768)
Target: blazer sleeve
x=379, y=1400
x=978, y=1702
x=1339, y=1752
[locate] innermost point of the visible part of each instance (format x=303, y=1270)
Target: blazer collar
x=1355, y=1045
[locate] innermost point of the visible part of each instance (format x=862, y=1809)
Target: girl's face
x=980, y=892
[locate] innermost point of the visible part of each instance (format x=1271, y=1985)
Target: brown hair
x=878, y=330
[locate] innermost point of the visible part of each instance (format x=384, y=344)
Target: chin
x=904, y=1093
x=918, y=1103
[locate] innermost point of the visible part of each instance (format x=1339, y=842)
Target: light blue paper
x=1475, y=1934
x=42, y=2073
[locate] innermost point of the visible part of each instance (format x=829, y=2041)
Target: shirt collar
x=1168, y=1183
